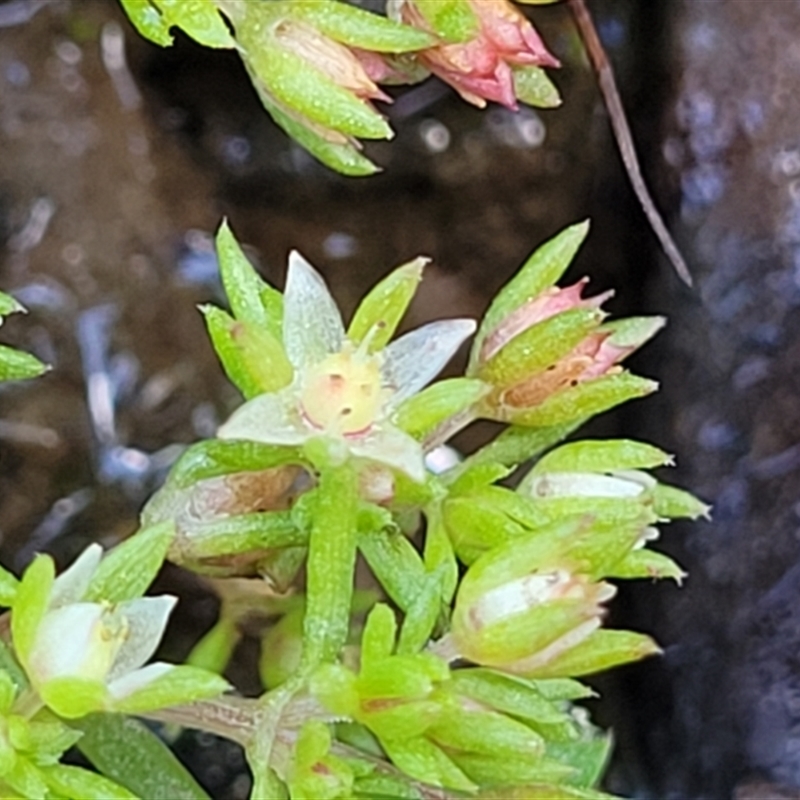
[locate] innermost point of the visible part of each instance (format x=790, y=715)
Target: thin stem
x=233, y=718
x=28, y=703
x=331, y=565
x=622, y=133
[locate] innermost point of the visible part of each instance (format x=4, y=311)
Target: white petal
x=312, y=324
x=644, y=479
x=147, y=617
x=392, y=447
x=415, y=359
x=582, y=484
x=65, y=644
x=71, y=585
x=138, y=679
x=442, y=458
x=268, y=418
x=517, y=597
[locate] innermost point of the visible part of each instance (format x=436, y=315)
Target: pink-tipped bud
x=528, y=621
x=334, y=60
x=550, y=302
x=480, y=69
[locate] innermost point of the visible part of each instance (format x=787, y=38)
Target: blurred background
x=118, y=160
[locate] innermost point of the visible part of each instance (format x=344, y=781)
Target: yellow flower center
x=342, y=394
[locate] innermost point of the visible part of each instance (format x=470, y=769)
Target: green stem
x=233, y=718
x=28, y=703
x=331, y=565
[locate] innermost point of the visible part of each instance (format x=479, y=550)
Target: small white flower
x=341, y=391
x=100, y=642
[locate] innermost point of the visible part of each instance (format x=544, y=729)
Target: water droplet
x=340, y=245
x=435, y=135
x=69, y=52
x=235, y=150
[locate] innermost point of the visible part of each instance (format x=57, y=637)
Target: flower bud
x=516, y=608
x=542, y=355
x=482, y=65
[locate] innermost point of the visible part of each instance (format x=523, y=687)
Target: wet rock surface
x=723, y=704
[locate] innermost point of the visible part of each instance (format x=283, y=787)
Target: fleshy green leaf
x=452, y=20
x=378, y=639
x=489, y=770
x=647, y=563
x=507, y=693
x=125, y=751
x=585, y=400
x=129, y=569
x=215, y=648
x=74, y=697
x=542, y=269
x=148, y=21
x=76, y=782
x=562, y=689
x=588, y=758
x=330, y=566
x=341, y=154
x=49, y=740
x=396, y=564
x=539, y=346
x=517, y=444
x=670, y=502
x=216, y=457
x=542, y=791
x=359, y=28
x=15, y=365
x=26, y=778
x=478, y=476
x=485, y=732
x=594, y=455
x=374, y=786
x=335, y=687
x=177, y=687
x=301, y=88
x=200, y=19
x=8, y=690
x=252, y=299
x=241, y=533
x=422, y=615
x=11, y=667
x=533, y=86
x=600, y=651
x=424, y=761
x=281, y=650
x=632, y=331
x=439, y=555
x=30, y=603
x=8, y=305
x=253, y=359
x=475, y=525
x=8, y=587
x=422, y=413
x=380, y=312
